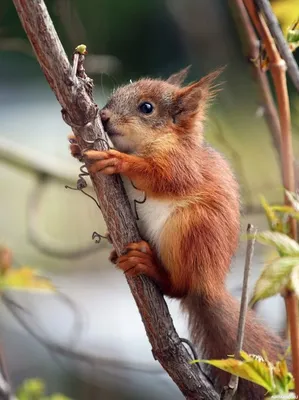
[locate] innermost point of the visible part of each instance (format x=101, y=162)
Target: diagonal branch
x=79, y=111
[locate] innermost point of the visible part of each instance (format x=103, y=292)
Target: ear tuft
x=194, y=98
x=179, y=78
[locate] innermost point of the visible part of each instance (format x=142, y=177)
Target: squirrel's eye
x=146, y=108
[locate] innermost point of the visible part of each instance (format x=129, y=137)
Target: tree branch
x=80, y=112
x=232, y=386
x=282, y=45
x=277, y=69
x=253, y=49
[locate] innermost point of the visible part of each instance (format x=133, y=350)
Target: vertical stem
x=278, y=69
x=282, y=45
x=253, y=50
x=293, y=317
x=232, y=387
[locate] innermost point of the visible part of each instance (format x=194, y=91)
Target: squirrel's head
x=150, y=111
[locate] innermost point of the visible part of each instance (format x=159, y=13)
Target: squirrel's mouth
x=111, y=132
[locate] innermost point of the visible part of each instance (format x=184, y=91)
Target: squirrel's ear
x=179, y=78
x=195, y=97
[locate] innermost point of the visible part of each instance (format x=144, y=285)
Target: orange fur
x=165, y=155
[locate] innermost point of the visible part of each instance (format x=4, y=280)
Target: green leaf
x=293, y=36
x=31, y=389
x=293, y=198
x=252, y=370
x=276, y=379
x=274, y=278
x=287, y=210
x=283, y=209
x=24, y=278
x=34, y=389
x=273, y=220
x=58, y=396
x=283, y=243
x=82, y=49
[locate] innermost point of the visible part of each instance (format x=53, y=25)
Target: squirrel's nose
x=105, y=116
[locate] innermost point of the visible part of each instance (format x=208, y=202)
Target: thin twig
x=232, y=387
x=75, y=66
x=283, y=47
x=20, y=313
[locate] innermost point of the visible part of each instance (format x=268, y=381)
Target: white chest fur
x=152, y=214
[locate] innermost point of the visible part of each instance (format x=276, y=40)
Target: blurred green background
x=45, y=225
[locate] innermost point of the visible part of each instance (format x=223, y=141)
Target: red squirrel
x=190, y=220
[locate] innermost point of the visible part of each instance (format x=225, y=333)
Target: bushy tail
x=213, y=325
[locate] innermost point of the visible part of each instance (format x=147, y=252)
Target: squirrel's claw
x=138, y=260
x=113, y=257
x=107, y=162
x=74, y=148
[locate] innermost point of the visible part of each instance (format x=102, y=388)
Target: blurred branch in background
x=67, y=12
x=253, y=50
x=277, y=68
x=44, y=243
x=96, y=64
x=16, y=45
x=45, y=169
x=282, y=45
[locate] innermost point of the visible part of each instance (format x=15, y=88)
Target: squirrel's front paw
x=138, y=260
x=107, y=162
x=74, y=148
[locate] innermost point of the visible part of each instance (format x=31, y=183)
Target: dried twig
x=283, y=47
x=229, y=391
x=80, y=112
x=5, y=389
x=21, y=314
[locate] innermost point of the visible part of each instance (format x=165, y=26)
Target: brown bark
x=80, y=112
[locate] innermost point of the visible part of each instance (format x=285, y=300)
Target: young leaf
x=31, y=389
x=283, y=209
x=274, y=278
x=82, y=49
x=276, y=379
x=252, y=369
x=273, y=220
x=283, y=243
x=58, y=396
x=24, y=278
x=293, y=197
